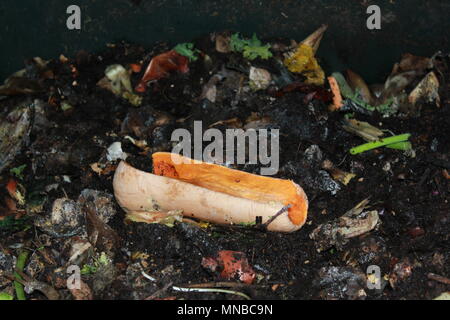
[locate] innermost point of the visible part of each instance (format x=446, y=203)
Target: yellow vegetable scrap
x=303, y=61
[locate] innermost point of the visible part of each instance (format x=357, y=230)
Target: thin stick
x=217, y=285
x=438, y=278
x=213, y=290
x=182, y=289
x=279, y=213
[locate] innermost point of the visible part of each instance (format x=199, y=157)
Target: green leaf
x=250, y=48
x=88, y=269
x=263, y=52
x=237, y=44
x=18, y=171
x=187, y=49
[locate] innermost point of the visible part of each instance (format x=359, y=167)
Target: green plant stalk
x=380, y=143
x=5, y=296
x=404, y=145
x=20, y=265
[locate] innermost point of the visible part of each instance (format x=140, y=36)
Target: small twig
x=182, y=289
x=279, y=213
x=438, y=278
x=212, y=290
x=340, y=163
x=217, y=285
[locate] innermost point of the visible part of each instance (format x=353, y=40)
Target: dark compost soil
x=410, y=193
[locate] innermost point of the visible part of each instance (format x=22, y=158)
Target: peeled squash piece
x=209, y=192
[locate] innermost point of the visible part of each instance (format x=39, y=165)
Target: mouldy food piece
x=117, y=80
x=302, y=59
x=119, y=77
x=341, y=283
x=115, y=152
x=222, y=43
x=103, y=203
x=161, y=66
x=427, y=90
x=209, y=192
x=259, y=78
x=15, y=127
x=353, y=223
x=65, y=219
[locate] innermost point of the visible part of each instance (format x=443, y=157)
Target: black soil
x=410, y=193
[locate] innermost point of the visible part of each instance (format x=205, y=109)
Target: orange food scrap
x=233, y=182
x=446, y=174
x=337, y=97
x=136, y=67
x=231, y=265
x=161, y=66
x=11, y=187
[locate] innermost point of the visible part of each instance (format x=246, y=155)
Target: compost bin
x=337, y=186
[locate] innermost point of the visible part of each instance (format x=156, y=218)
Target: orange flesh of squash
x=233, y=182
x=337, y=97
